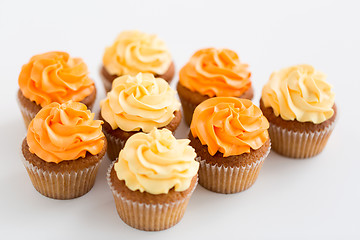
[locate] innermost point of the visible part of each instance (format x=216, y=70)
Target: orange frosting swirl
x=55, y=77
x=64, y=132
x=216, y=72
x=229, y=125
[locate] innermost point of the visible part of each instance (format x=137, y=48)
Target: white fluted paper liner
x=148, y=217
x=223, y=179
x=299, y=144
x=65, y=185
x=114, y=146
x=27, y=115
x=188, y=110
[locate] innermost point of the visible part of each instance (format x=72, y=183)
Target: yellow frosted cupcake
x=153, y=180
x=137, y=104
x=134, y=52
x=300, y=106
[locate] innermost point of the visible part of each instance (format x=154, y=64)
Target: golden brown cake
x=210, y=73
x=153, y=180
x=63, y=150
x=137, y=104
x=53, y=77
x=134, y=52
x=300, y=107
x=231, y=141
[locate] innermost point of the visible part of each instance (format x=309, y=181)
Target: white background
x=316, y=198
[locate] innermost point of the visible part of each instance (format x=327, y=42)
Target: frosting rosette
x=65, y=131
x=140, y=102
x=134, y=52
x=299, y=92
x=229, y=125
x=55, y=77
x=156, y=162
x=216, y=72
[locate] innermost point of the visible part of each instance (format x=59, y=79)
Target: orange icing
x=55, y=77
x=64, y=132
x=229, y=125
x=216, y=72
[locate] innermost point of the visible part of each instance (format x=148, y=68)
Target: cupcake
x=134, y=52
x=210, y=73
x=231, y=141
x=63, y=150
x=137, y=104
x=300, y=106
x=153, y=180
x=53, y=77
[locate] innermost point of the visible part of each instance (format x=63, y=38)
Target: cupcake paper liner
x=299, y=144
x=148, y=217
x=188, y=110
x=27, y=115
x=114, y=146
x=65, y=185
x=229, y=179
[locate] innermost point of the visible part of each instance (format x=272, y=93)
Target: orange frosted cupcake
x=134, y=52
x=137, y=104
x=153, y=180
x=231, y=141
x=53, y=77
x=63, y=150
x=300, y=106
x=210, y=73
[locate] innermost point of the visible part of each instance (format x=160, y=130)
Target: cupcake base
x=29, y=109
x=117, y=138
x=190, y=100
x=107, y=78
x=146, y=211
x=298, y=139
x=231, y=174
x=65, y=180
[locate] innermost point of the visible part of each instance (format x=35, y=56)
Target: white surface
x=316, y=198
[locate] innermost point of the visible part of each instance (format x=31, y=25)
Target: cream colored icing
x=156, y=162
x=299, y=92
x=134, y=52
x=140, y=102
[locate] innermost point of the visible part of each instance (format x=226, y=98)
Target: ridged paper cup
x=114, y=146
x=27, y=115
x=62, y=185
x=188, y=110
x=222, y=179
x=148, y=216
x=299, y=144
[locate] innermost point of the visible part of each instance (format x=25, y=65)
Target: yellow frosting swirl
x=156, y=162
x=140, y=102
x=299, y=92
x=64, y=132
x=134, y=52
